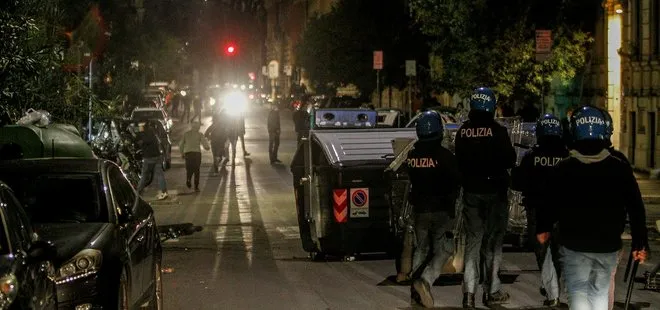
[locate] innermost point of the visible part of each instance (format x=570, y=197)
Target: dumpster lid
x=373, y=145
x=54, y=140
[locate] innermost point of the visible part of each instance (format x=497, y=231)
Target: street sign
x=288, y=70
x=543, y=44
x=411, y=68
x=273, y=69
x=378, y=60
x=264, y=70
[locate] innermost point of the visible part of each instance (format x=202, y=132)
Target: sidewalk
x=650, y=188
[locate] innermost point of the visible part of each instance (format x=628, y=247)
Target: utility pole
x=89, y=120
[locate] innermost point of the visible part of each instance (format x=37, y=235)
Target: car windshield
x=148, y=114
x=4, y=242
x=60, y=198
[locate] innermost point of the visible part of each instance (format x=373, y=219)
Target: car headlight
x=87, y=262
x=8, y=290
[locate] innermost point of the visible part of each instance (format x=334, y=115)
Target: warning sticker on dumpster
x=359, y=202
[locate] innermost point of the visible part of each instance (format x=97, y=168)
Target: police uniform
x=531, y=179
x=435, y=184
x=598, y=191
x=484, y=154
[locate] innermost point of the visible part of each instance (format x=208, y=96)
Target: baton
x=631, y=283
x=628, y=265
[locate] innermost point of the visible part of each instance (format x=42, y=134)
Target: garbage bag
x=39, y=118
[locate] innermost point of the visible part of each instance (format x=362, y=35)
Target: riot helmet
x=429, y=126
x=548, y=126
x=589, y=123
x=483, y=99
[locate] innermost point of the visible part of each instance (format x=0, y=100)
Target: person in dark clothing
x=189, y=147
x=484, y=154
x=176, y=100
x=187, y=102
x=152, y=165
x=435, y=184
x=597, y=186
x=217, y=134
x=274, y=133
x=301, y=122
x=530, y=178
x=241, y=134
x=197, y=106
x=232, y=129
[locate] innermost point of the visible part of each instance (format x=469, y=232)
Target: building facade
x=628, y=70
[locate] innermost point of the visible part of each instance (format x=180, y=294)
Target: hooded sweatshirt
x=192, y=141
x=590, y=194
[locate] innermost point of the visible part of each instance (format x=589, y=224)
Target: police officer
x=484, y=154
x=595, y=192
x=434, y=180
x=530, y=178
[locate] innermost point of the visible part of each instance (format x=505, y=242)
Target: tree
x=338, y=47
x=484, y=42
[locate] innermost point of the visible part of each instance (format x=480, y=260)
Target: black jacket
x=150, y=143
x=591, y=196
x=274, y=121
x=484, y=153
x=434, y=177
x=301, y=120
x=532, y=175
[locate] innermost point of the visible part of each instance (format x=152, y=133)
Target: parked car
x=26, y=261
x=147, y=113
x=108, y=247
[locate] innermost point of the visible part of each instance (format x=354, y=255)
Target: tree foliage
x=486, y=42
x=43, y=40
x=338, y=47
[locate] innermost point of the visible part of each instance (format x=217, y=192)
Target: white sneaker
x=162, y=195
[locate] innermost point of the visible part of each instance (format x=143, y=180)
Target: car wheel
x=156, y=300
x=122, y=293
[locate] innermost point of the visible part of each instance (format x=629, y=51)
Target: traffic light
x=231, y=50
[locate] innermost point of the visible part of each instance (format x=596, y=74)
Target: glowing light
x=231, y=49
x=235, y=103
x=618, y=8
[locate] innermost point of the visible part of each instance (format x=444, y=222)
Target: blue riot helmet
x=483, y=99
x=548, y=126
x=589, y=123
x=429, y=126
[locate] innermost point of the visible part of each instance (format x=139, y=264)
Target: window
x=59, y=198
x=122, y=192
x=19, y=229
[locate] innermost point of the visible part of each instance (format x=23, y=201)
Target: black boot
x=468, y=301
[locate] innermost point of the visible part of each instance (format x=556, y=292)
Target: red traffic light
x=231, y=50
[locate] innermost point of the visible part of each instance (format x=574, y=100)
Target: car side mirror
x=42, y=250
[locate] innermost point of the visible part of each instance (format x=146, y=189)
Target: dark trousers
x=273, y=144
x=197, y=115
x=485, y=218
x=193, y=162
x=186, y=112
x=218, y=150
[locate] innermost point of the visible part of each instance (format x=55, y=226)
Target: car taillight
x=340, y=205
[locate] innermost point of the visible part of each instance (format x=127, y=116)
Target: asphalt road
x=249, y=255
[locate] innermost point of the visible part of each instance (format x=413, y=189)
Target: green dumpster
x=54, y=140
